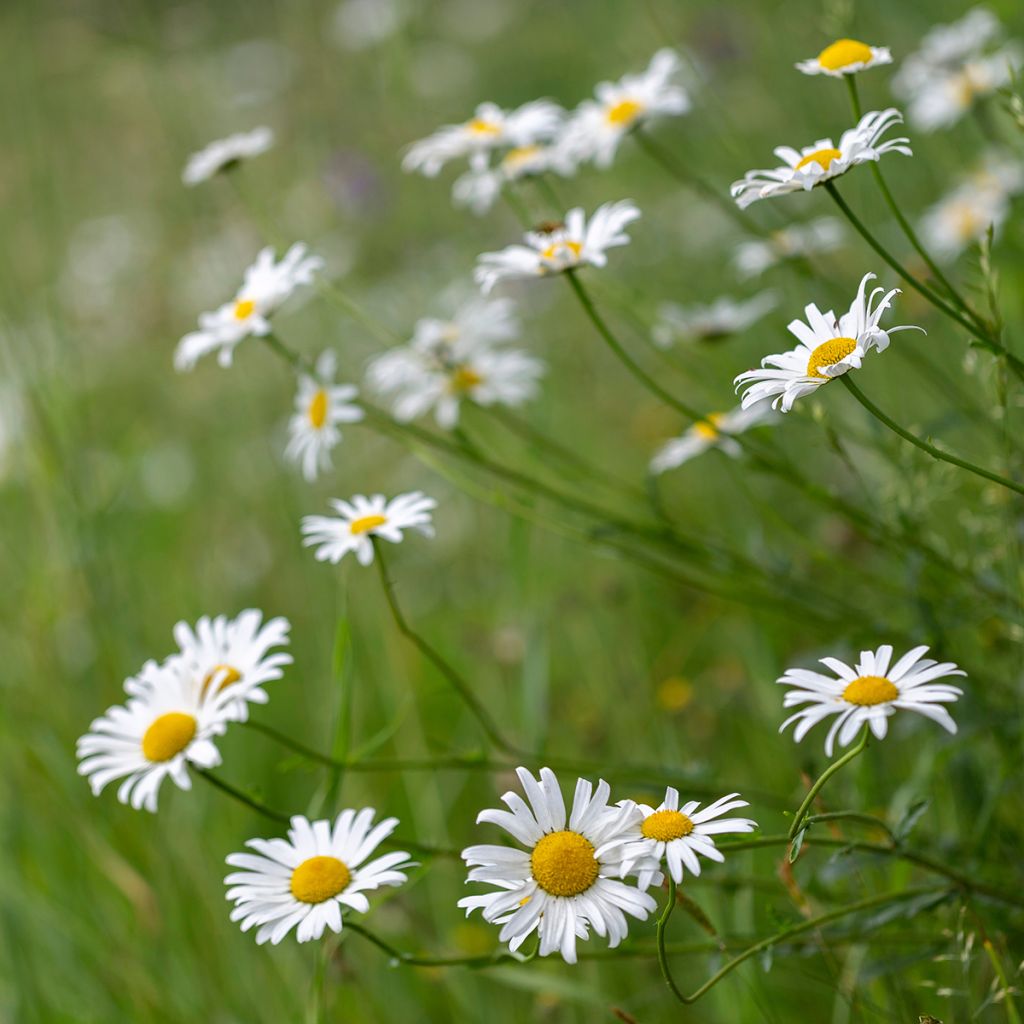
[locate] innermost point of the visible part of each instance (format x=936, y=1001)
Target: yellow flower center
x=563, y=863
x=515, y=158
x=822, y=157
x=319, y=878
x=478, y=126
x=317, y=410
x=828, y=354
x=708, y=428
x=229, y=672
x=464, y=378
x=624, y=112
x=551, y=252
x=842, y=53
x=168, y=736
x=367, y=523
x=869, y=690
x=967, y=224
x=244, y=308
x=664, y=826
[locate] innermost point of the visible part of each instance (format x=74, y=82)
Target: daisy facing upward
x=845, y=57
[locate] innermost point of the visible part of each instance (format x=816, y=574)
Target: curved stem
x=666, y=973
x=864, y=819
x=827, y=774
x=411, y=960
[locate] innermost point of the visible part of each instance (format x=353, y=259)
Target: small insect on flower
x=304, y=881
x=564, y=882
x=716, y=430
x=361, y=519
x=225, y=154
x=813, y=165
x=552, y=248
x=845, y=57
x=267, y=285
x=869, y=694
x=756, y=255
x=678, y=836
x=598, y=126
x=828, y=348
x=721, y=319
x=321, y=406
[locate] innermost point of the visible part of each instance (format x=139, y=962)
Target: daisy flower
x=564, y=882
x=225, y=154
x=723, y=317
x=597, y=126
x=170, y=723
x=361, y=519
x=552, y=248
x=845, y=57
x=753, y=257
x=869, y=694
x=677, y=835
x=824, y=160
x=303, y=882
x=479, y=188
x=714, y=431
x=321, y=406
x=828, y=348
x=266, y=286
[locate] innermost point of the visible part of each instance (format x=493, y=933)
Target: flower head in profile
x=869, y=694
x=305, y=881
x=753, y=257
x=598, y=126
x=490, y=173
x=360, y=520
x=321, y=406
x=716, y=430
x=845, y=57
x=803, y=169
x=720, y=319
x=828, y=348
x=224, y=154
x=267, y=285
x=553, y=248
x=565, y=880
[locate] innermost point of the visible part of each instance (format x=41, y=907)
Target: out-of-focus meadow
x=133, y=497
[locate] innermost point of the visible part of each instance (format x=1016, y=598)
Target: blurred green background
x=133, y=497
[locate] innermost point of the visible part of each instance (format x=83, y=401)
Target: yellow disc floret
x=624, y=112
x=244, y=308
x=843, y=53
x=464, y=378
x=366, y=523
x=708, y=428
x=828, y=354
x=664, y=826
x=168, y=736
x=563, y=863
x=870, y=690
x=319, y=878
x=822, y=157
x=228, y=673
x=478, y=126
x=317, y=410
x=552, y=251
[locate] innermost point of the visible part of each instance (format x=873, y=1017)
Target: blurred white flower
x=360, y=24
x=714, y=431
x=226, y=153
x=479, y=187
x=845, y=57
x=753, y=257
x=720, y=319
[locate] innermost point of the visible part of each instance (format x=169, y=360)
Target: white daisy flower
x=753, y=257
x=823, y=161
x=946, y=45
x=225, y=154
x=869, y=694
x=321, y=406
x=723, y=317
x=266, y=286
x=361, y=519
x=677, y=835
x=597, y=126
x=169, y=724
x=563, y=883
x=557, y=247
x=714, y=431
x=845, y=57
x=479, y=188
x=828, y=348
x=961, y=219
x=304, y=881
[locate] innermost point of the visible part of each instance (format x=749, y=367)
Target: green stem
x=864, y=819
x=1007, y=991
x=398, y=957
x=666, y=913
x=242, y=798
x=827, y=774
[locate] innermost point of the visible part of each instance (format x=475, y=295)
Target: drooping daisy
x=480, y=186
x=677, y=835
x=557, y=247
x=564, y=882
x=597, y=126
x=828, y=348
x=714, y=431
x=225, y=154
x=361, y=519
x=823, y=161
x=321, y=406
x=304, y=881
x=845, y=57
x=869, y=694
x=722, y=318
x=753, y=257
x=267, y=284
x=170, y=723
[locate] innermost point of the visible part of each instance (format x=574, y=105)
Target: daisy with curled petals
x=267, y=284
x=225, y=154
x=564, y=882
x=677, y=835
x=321, y=406
x=362, y=519
x=813, y=165
x=869, y=694
x=845, y=57
x=716, y=430
x=170, y=724
x=304, y=881
x=553, y=248
x=828, y=348
x=720, y=319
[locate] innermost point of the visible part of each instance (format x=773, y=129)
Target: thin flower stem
x=1007, y=990
x=342, y=301
x=400, y=958
x=917, y=442
x=827, y=774
x=864, y=819
x=242, y=798
x=663, y=917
